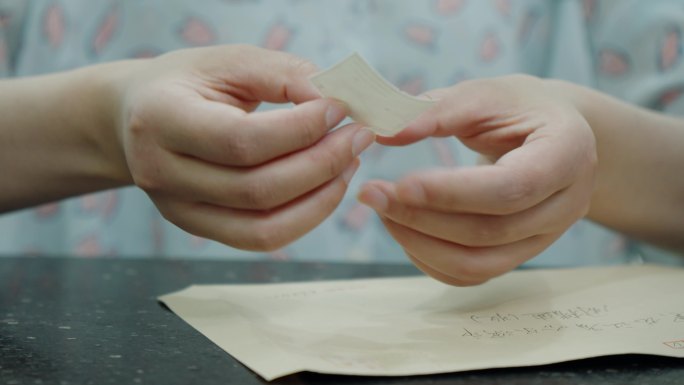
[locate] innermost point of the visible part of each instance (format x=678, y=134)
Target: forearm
x=58, y=136
x=640, y=184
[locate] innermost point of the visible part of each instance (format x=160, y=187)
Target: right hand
x=217, y=169
x=466, y=225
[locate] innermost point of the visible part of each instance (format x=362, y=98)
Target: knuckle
x=258, y=194
x=147, y=182
x=301, y=65
x=329, y=163
x=310, y=131
x=310, y=125
x=515, y=194
x=265, y=236
x=465, y=270
x=490, y=231
x=241, y=150
x=403, y=214
x=142, y=151
x=147, y=173
x=334, y=198
x=328, y=201
x=471, y=271
x=139, y=119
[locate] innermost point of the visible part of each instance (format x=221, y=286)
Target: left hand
x=190, y=137
x=466, y=225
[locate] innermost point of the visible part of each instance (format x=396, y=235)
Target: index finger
x=222, y=134
x=519, y=180
x=431, y=122
x=252, y=73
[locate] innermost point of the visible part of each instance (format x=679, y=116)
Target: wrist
x=579, y=97
x=59, y=132
x=101, y=97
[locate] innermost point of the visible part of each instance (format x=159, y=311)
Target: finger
x=444, y=278
x=474, y=107
x=218, y=133
x=422, y=127
x=553, y=215
x=264, y=230
x=415, y=131
x=519, y=180
x=272, y=184
x=467, y=264
x=456, y=109
x=252, y=73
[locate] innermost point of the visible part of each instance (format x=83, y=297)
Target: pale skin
x=183, y=128
x=556, y=152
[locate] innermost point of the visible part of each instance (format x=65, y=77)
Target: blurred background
x=628, y=48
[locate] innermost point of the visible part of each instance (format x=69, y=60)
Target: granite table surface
x=97, y=321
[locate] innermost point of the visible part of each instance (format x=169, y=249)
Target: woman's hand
x=466, y=225
x=252, y=180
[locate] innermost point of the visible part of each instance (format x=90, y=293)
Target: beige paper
x=373, y=101
x=406, y=326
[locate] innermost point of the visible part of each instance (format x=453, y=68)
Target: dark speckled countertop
x=78, y=321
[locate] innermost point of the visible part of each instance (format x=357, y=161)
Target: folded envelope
x=407, y=326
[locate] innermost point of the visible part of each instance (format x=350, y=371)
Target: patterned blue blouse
x=628, y=48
